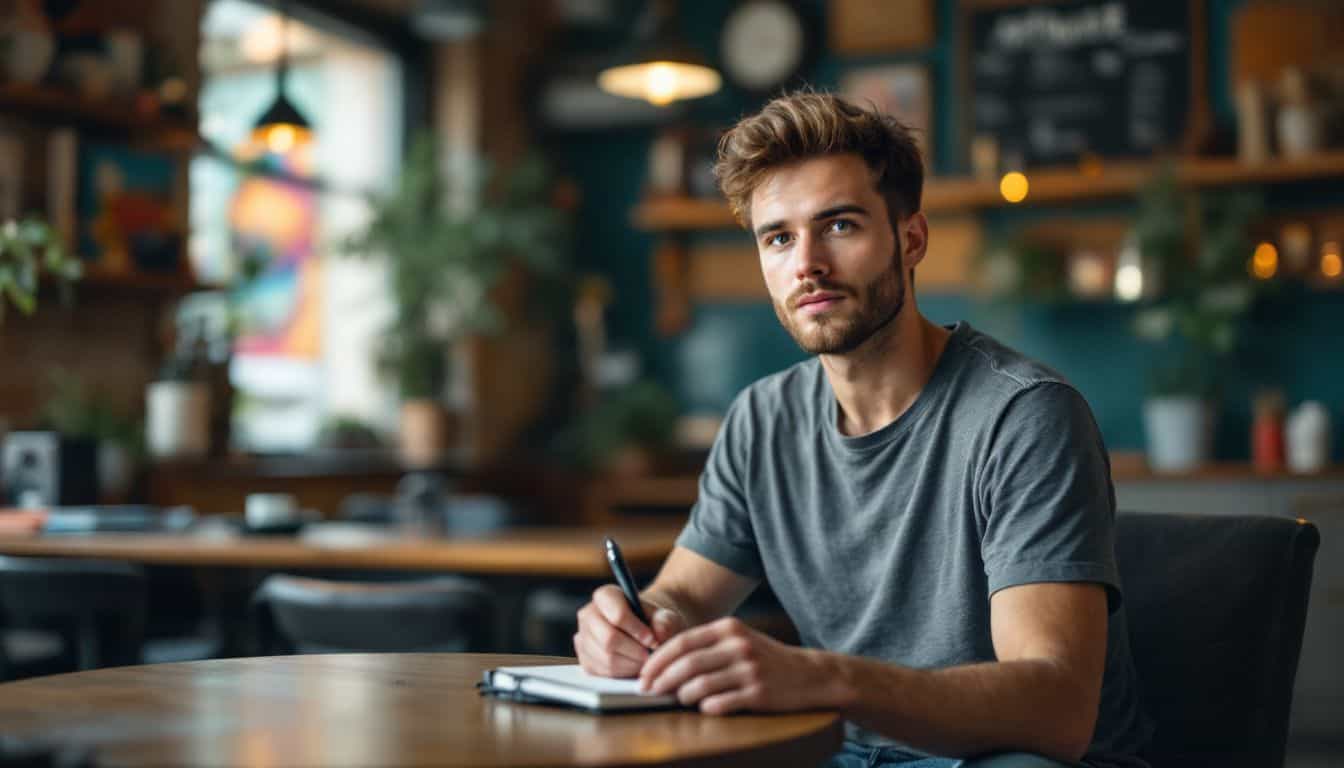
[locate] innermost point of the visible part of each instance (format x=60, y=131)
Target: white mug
x=263, y=509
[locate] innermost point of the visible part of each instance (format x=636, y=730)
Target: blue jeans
x=853, y=755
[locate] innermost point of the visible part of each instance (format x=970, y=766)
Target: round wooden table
x=374, y=709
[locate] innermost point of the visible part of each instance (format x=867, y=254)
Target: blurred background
x=314, y=248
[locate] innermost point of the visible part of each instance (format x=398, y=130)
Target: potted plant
x=1196, y=319
x=74, y=412
x=444, y=262
x=29, y=249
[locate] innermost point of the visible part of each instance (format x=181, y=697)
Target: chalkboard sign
x=1056, y=80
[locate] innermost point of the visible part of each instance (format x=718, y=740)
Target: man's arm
x=1041, y=695
x=689, y=590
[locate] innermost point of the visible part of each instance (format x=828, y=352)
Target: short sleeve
x=1047, y=495
x=720, y=527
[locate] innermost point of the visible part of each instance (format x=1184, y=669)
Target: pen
x=622, y=574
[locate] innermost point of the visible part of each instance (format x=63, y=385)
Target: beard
x=862, y=313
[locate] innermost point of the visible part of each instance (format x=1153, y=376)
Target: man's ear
x=914, y=234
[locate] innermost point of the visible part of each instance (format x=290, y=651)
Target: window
x=308, y=322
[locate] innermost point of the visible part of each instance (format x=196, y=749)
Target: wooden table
x=374, y=709
x=530, y=552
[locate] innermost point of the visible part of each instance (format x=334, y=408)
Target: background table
x=575, y=552
x=375, y=709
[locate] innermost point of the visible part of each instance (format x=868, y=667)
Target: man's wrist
x=838, y=689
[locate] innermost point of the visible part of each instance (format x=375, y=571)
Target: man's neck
x=880, y=380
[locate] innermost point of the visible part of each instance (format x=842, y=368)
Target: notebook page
x=573, y=674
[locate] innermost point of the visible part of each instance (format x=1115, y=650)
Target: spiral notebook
x=569, y=685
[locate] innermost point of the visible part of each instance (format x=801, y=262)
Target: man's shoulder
x=994, y=366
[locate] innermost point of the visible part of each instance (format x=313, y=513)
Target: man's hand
x=612, y=642
x=726, y=666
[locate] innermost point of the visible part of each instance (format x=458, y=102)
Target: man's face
x=831, y=261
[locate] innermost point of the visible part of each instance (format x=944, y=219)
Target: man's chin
x=817, y=339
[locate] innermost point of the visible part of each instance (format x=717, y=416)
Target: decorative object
x=985, y=157
x=30, y=249
x=128, y=219
x=26, y=44
x=899, y=90
x=444, y=264
x=177, y=419
x=661, y=68
x=764, y=44
x=1179, y=430
x=667, y=164
x=1298, y=124
x=1197, y=319
x=423, y=433
x=1252, y=124
x=1308, y=438
x=866, y=27
x=76, y=413
x=1267, y=432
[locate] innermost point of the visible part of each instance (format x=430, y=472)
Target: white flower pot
x=1179, y=431
x=177, y=419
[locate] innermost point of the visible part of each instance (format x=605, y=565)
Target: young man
x=933, y=510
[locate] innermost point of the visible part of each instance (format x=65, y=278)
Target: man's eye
x=842, y=225
x=777, y=239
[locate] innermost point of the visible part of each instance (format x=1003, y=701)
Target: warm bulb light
x=1265, y=261
x=1331, y=265
x=1129, y=282
x=1013, y=186
x=281, y=138
x=660, y=82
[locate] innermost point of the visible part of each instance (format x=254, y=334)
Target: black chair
x=307, y=615
x=1216, y=608
x=98, y=607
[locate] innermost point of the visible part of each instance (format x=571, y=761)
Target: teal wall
x=1298, y=343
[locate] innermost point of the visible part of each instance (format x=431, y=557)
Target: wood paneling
x=880, y=26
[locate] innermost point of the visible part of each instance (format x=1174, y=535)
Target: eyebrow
x=818, y=216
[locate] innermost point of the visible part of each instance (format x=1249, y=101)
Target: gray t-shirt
x=889, y=545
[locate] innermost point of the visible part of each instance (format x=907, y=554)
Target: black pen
x=623, y=578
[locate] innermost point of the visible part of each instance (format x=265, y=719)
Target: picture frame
x=903, y=91
x=127, y=210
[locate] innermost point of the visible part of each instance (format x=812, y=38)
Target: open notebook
x=570, y=685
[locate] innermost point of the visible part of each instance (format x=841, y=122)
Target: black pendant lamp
x=282, y=126
x=661, y=67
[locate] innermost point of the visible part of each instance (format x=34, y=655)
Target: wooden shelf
x=55, y=105
x=962, y=195
x=139, y=282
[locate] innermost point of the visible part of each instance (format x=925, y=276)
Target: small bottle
x=1267, y=433
x=1298, y=124
x=1308, y=434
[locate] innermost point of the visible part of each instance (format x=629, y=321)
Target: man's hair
x=807, y=124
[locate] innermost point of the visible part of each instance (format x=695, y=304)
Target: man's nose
x=810, y=258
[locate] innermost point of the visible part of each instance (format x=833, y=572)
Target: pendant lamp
x=661, y=68
x=282, y=126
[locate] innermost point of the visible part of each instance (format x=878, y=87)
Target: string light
x=1331, y=265
x=1265, y=261
x=1013, y=186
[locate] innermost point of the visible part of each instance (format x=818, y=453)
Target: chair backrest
x=99, y=605
x=446, y=613
x=1216, y=608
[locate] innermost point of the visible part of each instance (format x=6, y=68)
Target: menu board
x=1052, y=81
